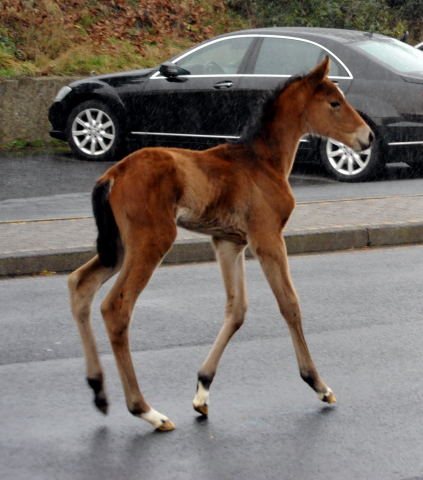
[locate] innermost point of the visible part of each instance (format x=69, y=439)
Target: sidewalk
x=63, y=245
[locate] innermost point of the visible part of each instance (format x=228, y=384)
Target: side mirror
x=169, y=70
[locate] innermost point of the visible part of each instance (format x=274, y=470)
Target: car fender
x=98, y=90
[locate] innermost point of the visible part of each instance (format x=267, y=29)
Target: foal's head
x=327, y=113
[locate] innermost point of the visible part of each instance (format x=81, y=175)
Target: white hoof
x=327, y=397
x=201, y=400
x=159, y=421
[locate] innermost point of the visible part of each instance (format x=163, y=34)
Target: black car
x=206, y=95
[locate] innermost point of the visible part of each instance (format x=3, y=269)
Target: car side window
x=221, y=57
x=286, y=56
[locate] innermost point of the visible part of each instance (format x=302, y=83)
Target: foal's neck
x=278, y=143
x=278, y=146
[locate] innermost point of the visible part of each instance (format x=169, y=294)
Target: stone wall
x=24, y=105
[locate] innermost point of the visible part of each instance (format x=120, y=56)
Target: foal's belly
x=225, y=228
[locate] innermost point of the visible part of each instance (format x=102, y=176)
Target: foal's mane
x=264, y=111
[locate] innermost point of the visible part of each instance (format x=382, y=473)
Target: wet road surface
x=362, y=315
x=53, y=184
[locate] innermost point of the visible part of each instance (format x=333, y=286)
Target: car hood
x=116, y=79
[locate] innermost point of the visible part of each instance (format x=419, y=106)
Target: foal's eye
x=335, y=104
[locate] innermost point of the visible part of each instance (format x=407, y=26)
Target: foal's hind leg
x=231, y=261
x=143, y=252
x=271, y=251
x=83, y=284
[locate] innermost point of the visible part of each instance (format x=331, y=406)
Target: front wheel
x=348, y=165
x=93, y=132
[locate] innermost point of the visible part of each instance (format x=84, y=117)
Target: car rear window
x=292, y=56
x=396, y=54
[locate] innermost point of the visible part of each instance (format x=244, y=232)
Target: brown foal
x=237, y=193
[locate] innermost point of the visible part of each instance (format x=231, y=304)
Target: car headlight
x=62, y=93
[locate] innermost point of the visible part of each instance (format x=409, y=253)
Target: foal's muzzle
x=364, y=139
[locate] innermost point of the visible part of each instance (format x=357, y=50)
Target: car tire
x=93, y=132
x=346, y=165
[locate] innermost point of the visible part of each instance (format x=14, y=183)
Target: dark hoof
x=102, y=405
x=100, y=399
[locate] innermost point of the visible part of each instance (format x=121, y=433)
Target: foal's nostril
x=371, y=137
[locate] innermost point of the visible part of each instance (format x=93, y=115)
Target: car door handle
x=222, y=85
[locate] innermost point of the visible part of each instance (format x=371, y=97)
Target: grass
x=39, y=145
x=77, y=37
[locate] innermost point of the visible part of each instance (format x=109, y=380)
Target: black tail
x=108, y=232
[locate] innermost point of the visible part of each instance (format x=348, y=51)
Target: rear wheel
x=93, y=132
x=348, y=165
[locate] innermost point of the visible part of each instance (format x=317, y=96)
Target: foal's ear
x=315, y=78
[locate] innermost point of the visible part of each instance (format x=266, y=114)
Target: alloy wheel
x=93, y=131
x=344, y=160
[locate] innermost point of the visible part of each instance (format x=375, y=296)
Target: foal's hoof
x=159, y=421
x=102, y=405
x=100, y=397
x=203, y=409
x=166, y=426
x=201, y=399
x=327, y=397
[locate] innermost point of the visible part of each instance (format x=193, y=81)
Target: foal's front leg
x=231, y=261
x=273, y=258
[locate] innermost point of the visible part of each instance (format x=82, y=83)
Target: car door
x=199, y=106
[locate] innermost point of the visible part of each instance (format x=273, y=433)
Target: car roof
x=336, y=34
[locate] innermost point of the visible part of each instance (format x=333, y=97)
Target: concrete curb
x=200, y=250
x=47, y=261
x=395, y=234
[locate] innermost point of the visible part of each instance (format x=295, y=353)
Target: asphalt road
x=53, y=184
x=362, y=315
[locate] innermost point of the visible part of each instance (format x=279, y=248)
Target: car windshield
x=394, y=53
